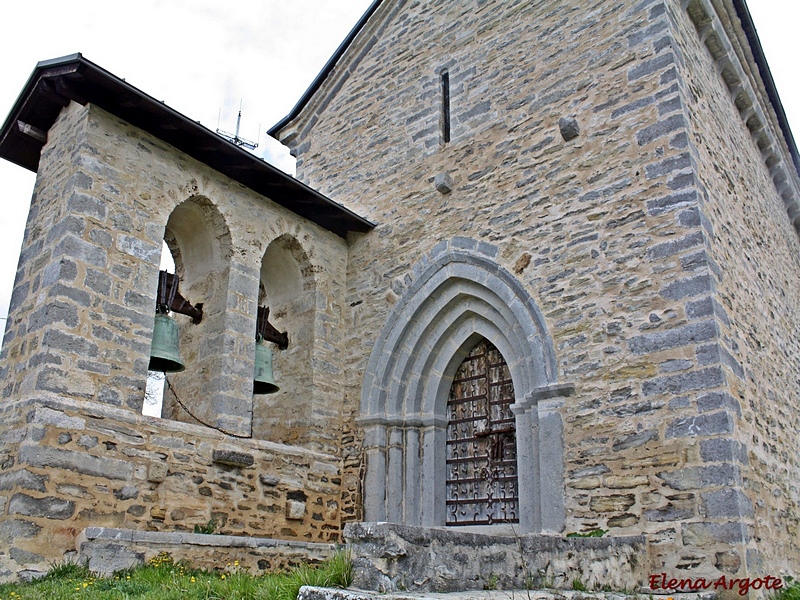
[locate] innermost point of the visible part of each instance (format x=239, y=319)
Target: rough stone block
x=717, y=400
x=693, y=478
x=729, y=561
x=634, y=440
x=612, y=503
x=81, y=251
x=667, y=166
x=710, y=534
x=110, y=468
x=232, y=458
x=626, y=481
x=23, y=479
x=157, y=471
x=128, y=492
x=684, y=382
x=13, y=529
x=703, y=425
x=726, y=503
x=651, y=66
x=722, y=450
x=568, y=126
x=444, y=183
x=71, y=224
x=106, y=558
x=688, y=287
x=295, y=510
x=24, y=557
x=49, y=507
x=64, y=270
x=669, y=513
x=673, y=366
x=653, y=132
x=685, y=335
x=696, y=261
x=84, y=204
x=144, y=251
x=269, y=480
x=670, y=202
x=71, y=344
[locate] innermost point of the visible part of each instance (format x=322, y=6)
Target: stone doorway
x=482, y=486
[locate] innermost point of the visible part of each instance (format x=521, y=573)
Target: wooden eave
x=54, y=83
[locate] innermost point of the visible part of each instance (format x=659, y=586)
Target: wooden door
x=481, y=442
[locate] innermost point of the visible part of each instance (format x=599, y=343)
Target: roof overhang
x=749, y=29
x=54, y=83
x=323, y=74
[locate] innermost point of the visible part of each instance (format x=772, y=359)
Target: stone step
x=319, y=593
x=107, y=550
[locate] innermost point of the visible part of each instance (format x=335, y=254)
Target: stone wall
x=604, y=230
x=752, y=255
x=68, y=465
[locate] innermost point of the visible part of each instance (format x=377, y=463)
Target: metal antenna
x=234, y=137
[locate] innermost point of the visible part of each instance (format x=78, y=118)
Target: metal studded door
x=481, y=442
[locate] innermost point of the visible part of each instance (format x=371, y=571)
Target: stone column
x=540, y=459
x=394, y=476
x=434, y=472
x=527, y=465
x=413, y=477
x=375, y=477
x=231, y=392
x=551, y=465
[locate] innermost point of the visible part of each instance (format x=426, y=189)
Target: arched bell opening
x=286, y=305
x=199, y=242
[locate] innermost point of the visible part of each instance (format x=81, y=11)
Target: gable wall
x=603, y=232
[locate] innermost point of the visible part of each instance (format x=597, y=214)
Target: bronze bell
x=164, y=355
x=263, y=383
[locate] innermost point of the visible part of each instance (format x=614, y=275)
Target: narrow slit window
x=445, y=106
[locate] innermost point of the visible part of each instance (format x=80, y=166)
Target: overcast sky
x=202, y=57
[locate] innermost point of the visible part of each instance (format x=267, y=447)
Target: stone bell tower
x=118, y=176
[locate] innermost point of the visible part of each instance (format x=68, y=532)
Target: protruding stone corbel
x=545, y=392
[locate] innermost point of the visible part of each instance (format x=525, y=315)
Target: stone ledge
x=116, y=416
x=389, y=557
x=319, y=593
x=107, y=550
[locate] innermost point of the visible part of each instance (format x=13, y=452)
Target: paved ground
x=314, y=593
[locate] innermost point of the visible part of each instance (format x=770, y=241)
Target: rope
x=198, y=419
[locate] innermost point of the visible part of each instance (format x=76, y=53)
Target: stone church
x=538, y=275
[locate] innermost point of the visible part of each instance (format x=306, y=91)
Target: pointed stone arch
x=459, y=295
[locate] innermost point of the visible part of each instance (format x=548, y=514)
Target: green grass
x=162, y=579
x=790, y=592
